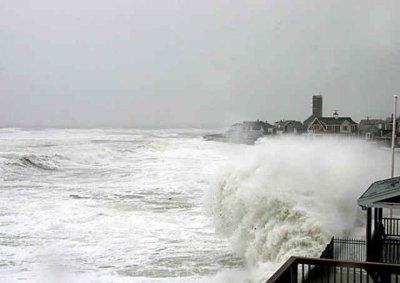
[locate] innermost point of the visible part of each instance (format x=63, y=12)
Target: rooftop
x=383, y=193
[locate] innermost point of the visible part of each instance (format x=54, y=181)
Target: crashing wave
x=265, y=227
x=288, y=196
x=41, y=162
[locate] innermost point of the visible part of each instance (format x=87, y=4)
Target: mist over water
x=167, y=206
x=289, y=196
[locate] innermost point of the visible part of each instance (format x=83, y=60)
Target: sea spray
x=126, y=206
x=288, y=196
x=119, y=206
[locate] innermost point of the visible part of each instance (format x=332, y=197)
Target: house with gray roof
x=332, y=125
x=317, y=124
x=289, y=127
x=371, y=128
x=381, y=194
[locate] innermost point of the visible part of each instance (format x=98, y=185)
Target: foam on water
x=128, y=205
x=288, y=196
x=118, y=205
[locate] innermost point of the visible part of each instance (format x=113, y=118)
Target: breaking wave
x=288, y=196
x=40, y=162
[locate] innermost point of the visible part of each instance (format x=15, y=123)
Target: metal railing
x=388, y=243
x=345, y=249
x=390, y=251
x=301, y=269
x=384, y=249
x=349, y=249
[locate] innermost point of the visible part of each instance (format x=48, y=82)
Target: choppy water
x=166, y=206
x=108, y=205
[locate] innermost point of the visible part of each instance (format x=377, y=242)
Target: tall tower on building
x=317, y=105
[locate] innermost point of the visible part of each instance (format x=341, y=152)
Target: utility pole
x=393, y=139
x=394, y=132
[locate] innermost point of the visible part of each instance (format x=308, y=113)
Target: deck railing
x=389, y=244
x=391, y=251
x=345, y=260
x=385, y=250
x=301, y=269
x=345, y=249
x=392, y=226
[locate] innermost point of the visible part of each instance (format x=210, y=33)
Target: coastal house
x=316, y=109
x=246, y=132
x=375, y=259
x=380, y=130
x=289, y=127
x=317, y=124
x=249, y=131
x=332, y=125
x=371, y=129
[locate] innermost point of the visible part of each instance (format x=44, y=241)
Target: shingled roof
x=336, y=121
x=309, y=120
x=329, y=120
x=383, y=193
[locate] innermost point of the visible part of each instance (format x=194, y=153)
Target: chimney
x=317, y=106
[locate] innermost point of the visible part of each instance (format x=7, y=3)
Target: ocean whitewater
x=167, y=206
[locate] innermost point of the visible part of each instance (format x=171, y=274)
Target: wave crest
x=264, y=228
x=40, y=162
x=287, y=197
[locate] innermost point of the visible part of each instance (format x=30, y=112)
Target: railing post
x=368, y=233
x=293, y=273
x=380, y=215
x=377, y=217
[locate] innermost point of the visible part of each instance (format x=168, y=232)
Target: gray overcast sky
x=194, y=63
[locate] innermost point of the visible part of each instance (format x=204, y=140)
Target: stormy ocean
x=166, y=206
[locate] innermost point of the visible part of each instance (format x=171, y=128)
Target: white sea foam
x=116, y=206
x=127, y=205
x=288, y=196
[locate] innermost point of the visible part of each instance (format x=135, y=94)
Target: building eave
x=381, y=194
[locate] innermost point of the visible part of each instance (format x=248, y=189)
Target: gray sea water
x=108, y=205
x=167, y=206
